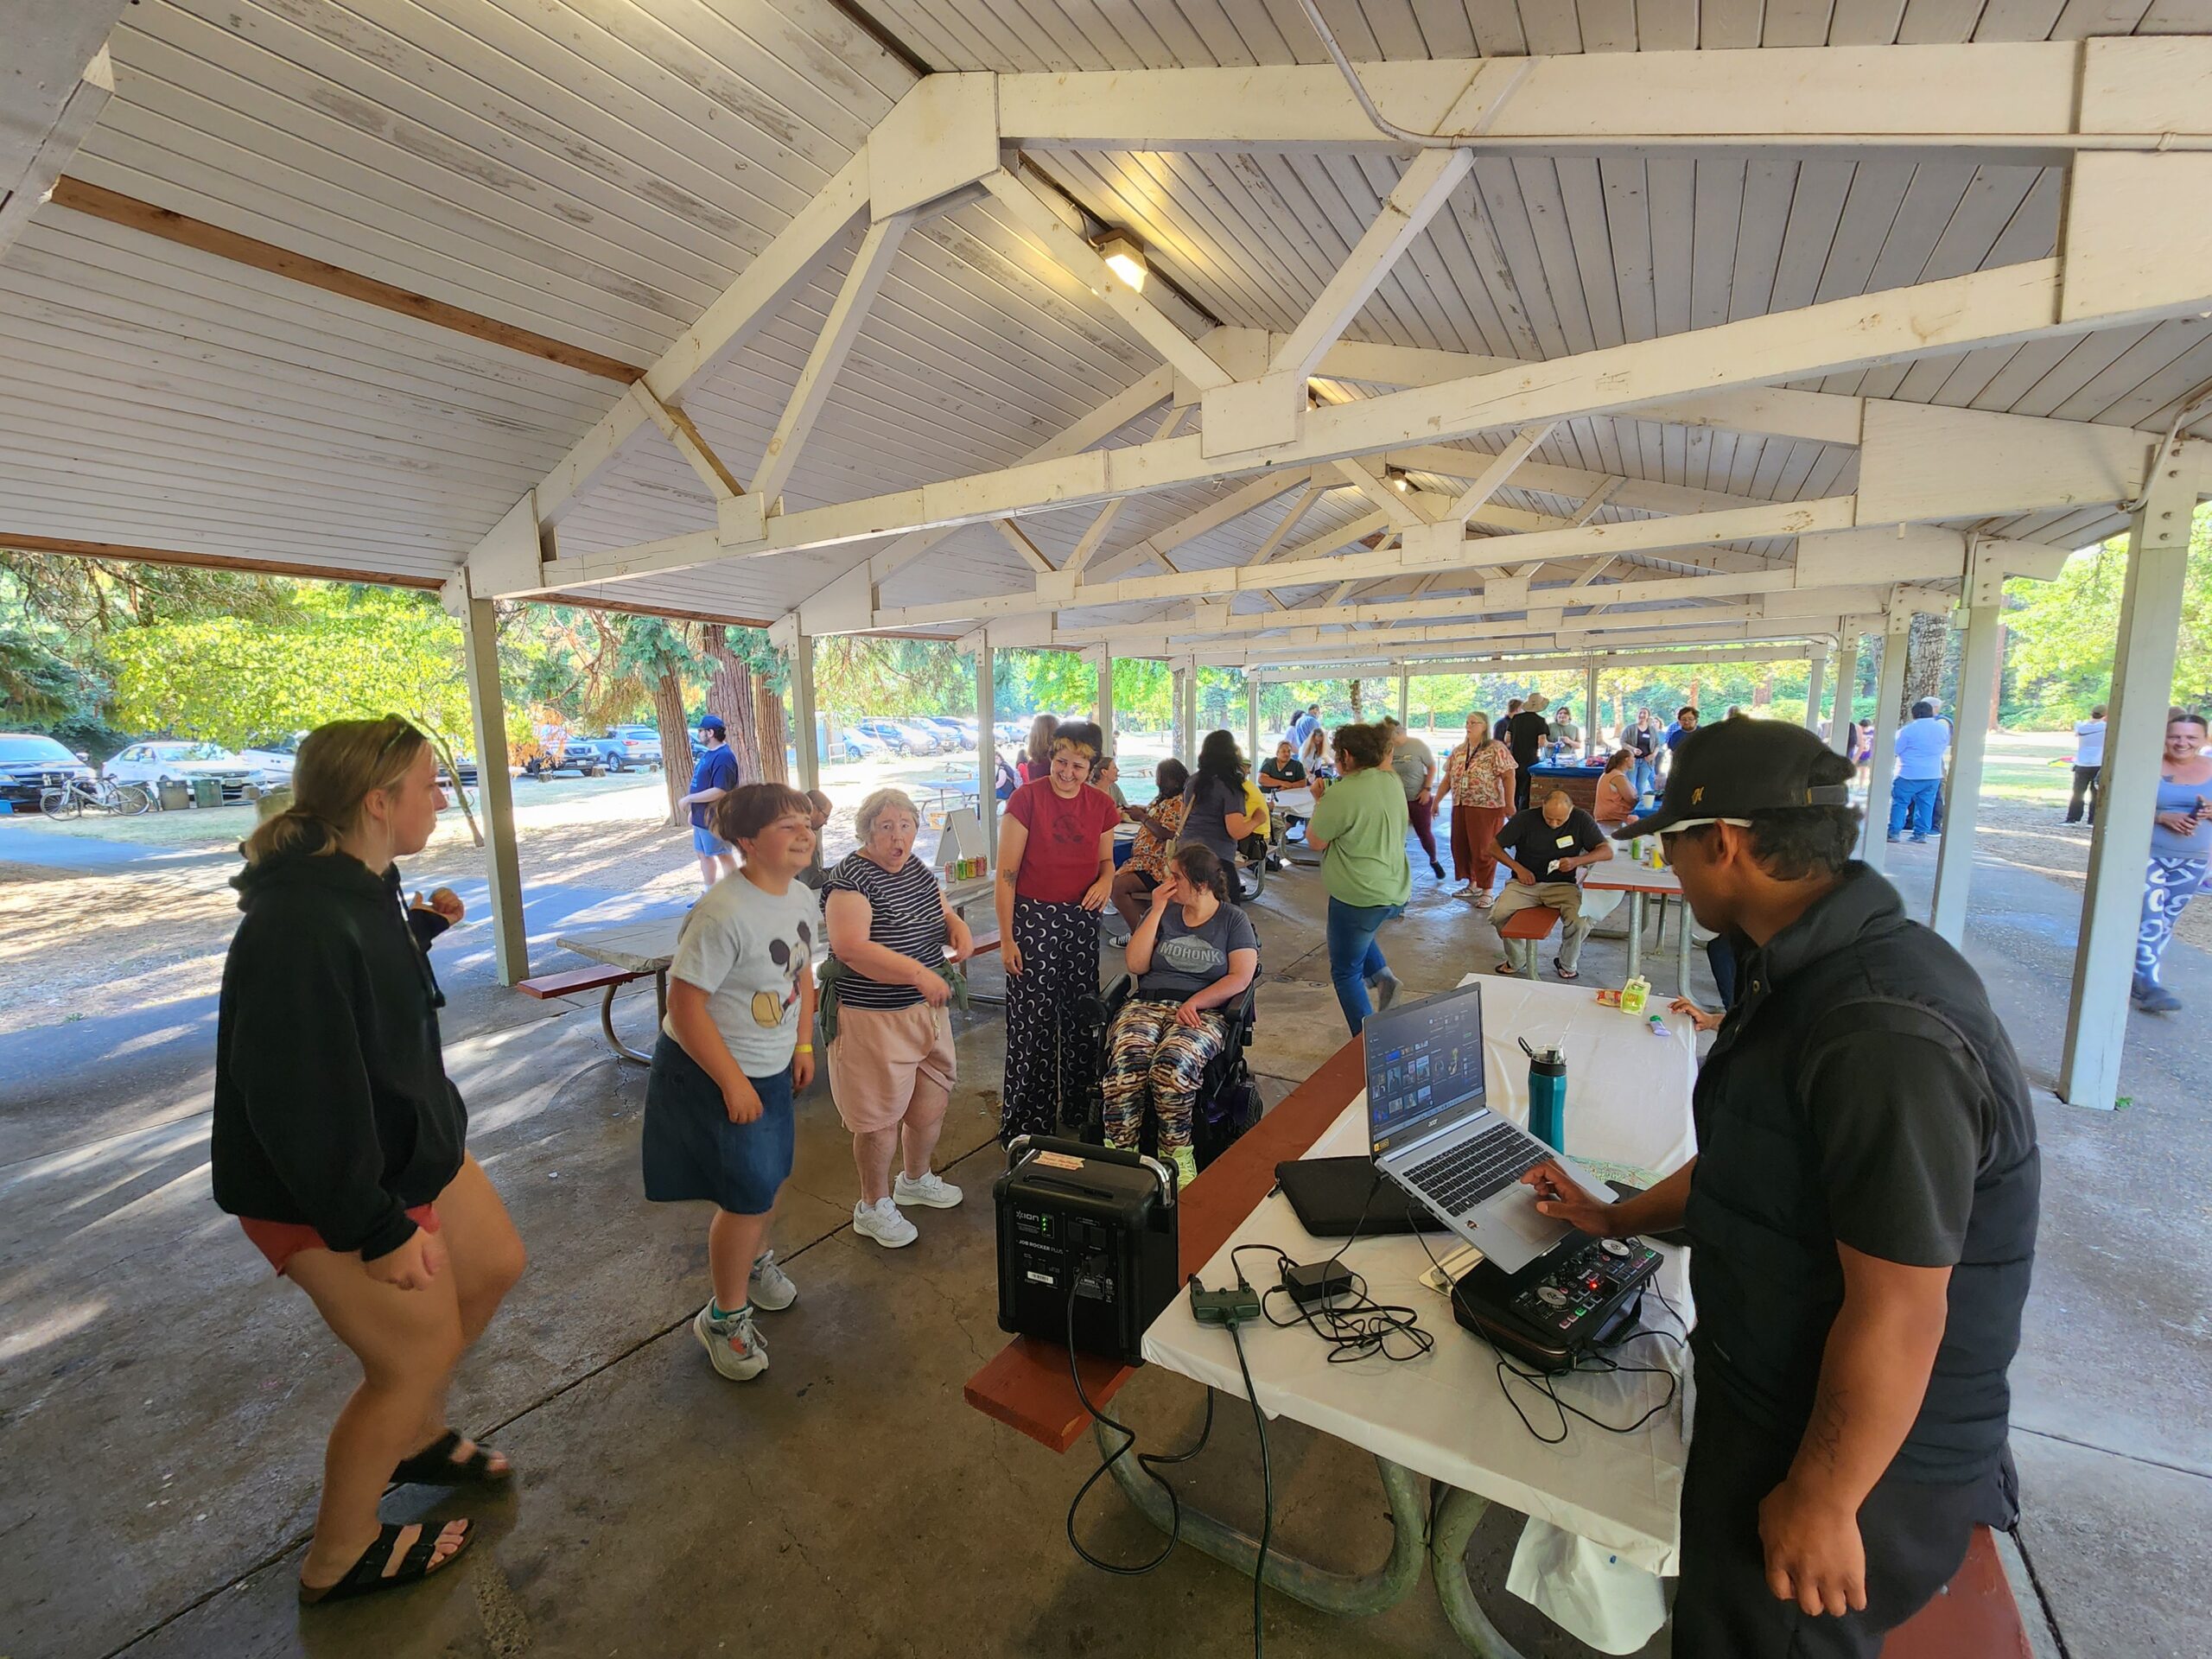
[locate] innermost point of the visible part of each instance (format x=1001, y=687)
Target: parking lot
x=103, y=914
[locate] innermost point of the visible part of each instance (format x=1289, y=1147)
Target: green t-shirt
x=1362, y=819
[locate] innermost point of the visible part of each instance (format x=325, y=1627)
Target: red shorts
x=280, y=1241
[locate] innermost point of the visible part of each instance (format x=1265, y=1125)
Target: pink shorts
x=280, y=1241
x=887, y=1062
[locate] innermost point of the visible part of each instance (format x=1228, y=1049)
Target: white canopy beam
x=848, y=315
x=1081, y=260
x=2010, y=101
x=60, y=79
x=2008, y=304
x=1427, y=183
x=1493, y=476
x=1080, y=559
x=1162, y=543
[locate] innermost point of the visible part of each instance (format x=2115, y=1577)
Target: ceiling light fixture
x=1124, y=256
x=1397, y=480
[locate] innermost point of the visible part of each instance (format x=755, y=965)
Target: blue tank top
x=2181, y=797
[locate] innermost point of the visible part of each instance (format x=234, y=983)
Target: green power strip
x=1226, y=1308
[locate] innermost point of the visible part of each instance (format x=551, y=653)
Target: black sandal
x=436, y=1466
x=1565, y=973
x=367, y=1575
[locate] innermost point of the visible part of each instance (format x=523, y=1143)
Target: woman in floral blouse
x=1157, y=826
x=1479, y=776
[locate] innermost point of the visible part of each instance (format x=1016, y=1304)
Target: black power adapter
x=1317, y=1283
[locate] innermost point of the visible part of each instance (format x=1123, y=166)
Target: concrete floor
x=163, y=1397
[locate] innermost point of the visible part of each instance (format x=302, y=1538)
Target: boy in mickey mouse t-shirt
x=737, y=1042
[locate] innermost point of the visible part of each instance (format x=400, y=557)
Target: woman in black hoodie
x=337, y=1140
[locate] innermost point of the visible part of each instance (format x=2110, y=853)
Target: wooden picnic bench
x=600, y=976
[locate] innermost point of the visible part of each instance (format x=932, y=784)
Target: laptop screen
x=1424, y=1067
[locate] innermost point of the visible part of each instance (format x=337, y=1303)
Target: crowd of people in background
x=372, y=1204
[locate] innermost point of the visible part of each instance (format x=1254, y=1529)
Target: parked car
x=896, y=738
x=925, y=738
x=563, y=751
x=610, y=752
x=30, y=765
x=277, y=755
x=640, y=745
x=856, y=745
x=1011, y=733
x=154, y=761
x=961, y=732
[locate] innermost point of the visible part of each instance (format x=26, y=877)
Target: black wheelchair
x=1229, y=1101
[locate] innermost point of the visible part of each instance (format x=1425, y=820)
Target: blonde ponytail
x=338, y=765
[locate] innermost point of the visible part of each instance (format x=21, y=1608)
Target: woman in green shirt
x=1359, y=828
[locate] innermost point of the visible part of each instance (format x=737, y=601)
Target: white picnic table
x=1640, y=881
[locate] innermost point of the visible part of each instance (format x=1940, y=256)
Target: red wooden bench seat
x=598, y=976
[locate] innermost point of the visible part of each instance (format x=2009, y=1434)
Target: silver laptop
x=1430, y=1129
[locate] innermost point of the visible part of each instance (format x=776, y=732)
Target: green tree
x=345, y=653
x=2062, y=634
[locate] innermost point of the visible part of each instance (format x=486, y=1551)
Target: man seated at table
x=1281, y=771
x=1547, y=847
x=1862, y=1212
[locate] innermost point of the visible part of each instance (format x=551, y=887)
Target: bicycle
x=69, y=800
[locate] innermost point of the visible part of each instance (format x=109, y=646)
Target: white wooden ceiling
x=598, y=172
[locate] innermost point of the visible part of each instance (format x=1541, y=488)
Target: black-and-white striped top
x=908, y=917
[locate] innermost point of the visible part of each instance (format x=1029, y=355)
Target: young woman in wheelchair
x=1192, y=957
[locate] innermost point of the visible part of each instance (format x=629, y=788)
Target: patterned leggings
x=1049, y=1065
x=2169, y=885
x=1149, y=1056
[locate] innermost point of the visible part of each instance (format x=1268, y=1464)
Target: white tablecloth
x=1617, y=874
x=1443, y=1415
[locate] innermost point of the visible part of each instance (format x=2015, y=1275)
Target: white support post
x=1985, y=594
x=801, y=650
x=1252, y=755
x=1887, y=694
x=1189, y=686
x=2119, y=848
x=1842, y=722
x=1103, y=659
x=480, y=633
x=1590, y=705
x=1405, y=694
x=986, y=800
x=1816, y=678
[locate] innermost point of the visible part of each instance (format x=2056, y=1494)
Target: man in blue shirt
x=1922, y=743
x=713, y=778
x=1678, y=734
x=1304, y=727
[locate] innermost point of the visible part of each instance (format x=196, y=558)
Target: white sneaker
x=734, y=1345
x=770, y=1288
x=881, y=1222
x=932, y=1189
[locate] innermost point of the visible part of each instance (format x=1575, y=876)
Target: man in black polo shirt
x=1862, y=1217
x=1525, y=733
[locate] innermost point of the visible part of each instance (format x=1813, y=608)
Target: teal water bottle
x=1546, y=1096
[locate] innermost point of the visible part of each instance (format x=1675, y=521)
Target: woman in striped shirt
x=890, y=1064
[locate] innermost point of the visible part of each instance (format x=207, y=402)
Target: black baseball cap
x=1734, y=768
x=713, y=723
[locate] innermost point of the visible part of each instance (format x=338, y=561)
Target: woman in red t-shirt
x=1056, y=869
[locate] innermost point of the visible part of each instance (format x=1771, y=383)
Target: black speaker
x=1090, y=1222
